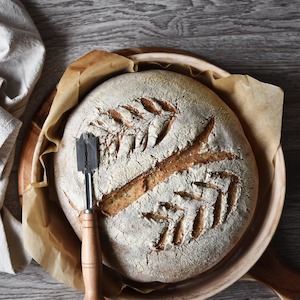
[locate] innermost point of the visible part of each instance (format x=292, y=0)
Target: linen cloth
x=21, y=60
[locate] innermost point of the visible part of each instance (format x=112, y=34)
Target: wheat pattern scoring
x=173, y=217
x=142, y=124
x=225, y=200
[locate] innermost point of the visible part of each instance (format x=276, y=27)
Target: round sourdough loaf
x=177, y=181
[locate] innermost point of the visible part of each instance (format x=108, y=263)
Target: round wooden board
x=266, y=220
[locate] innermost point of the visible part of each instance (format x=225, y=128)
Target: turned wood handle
x=271, y=271
x=91, y=257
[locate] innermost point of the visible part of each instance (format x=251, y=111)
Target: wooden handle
x=91, y=257
x=272, y=272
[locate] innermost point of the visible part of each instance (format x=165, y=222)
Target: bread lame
x=91, y=258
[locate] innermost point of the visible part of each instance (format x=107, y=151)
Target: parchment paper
x=48, y=236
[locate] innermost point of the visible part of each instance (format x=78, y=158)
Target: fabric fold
x=10, y=127
x=21, y=60
x=14, y=250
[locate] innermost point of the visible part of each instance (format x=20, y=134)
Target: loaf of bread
x=177, y=183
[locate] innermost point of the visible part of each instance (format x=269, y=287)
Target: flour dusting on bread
x=177, y=183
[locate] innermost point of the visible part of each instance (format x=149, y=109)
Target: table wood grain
x=259, y=38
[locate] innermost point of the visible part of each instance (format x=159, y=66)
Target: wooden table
x=259, y=38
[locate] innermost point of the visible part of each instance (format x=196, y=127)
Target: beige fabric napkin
x=21, y=61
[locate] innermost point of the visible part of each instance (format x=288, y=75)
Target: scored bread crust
x=177, y=181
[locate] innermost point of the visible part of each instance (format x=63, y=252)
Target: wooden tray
x=266, y=220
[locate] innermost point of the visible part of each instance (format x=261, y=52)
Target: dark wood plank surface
x=259, y=38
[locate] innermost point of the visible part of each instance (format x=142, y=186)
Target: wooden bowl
x=256, y=240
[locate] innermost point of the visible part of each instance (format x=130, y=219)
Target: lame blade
x=87, y=153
